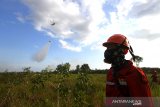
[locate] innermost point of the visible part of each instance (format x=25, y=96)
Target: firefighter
x=123, y=78
x=154, y=76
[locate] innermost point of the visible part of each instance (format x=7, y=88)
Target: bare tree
x=137, y=59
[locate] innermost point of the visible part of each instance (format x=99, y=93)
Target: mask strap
x=130, y=50
x=132, y=53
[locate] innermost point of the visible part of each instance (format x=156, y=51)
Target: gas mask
x=114, y=56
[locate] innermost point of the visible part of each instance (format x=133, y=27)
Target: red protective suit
x=132, y=83
x=154, y=77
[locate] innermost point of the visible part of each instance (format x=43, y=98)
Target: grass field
x=30, y=89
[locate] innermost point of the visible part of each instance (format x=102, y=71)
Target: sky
x=45, y=33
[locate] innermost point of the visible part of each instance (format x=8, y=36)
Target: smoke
x=42, y=53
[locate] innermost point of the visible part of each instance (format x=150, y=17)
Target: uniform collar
x=123, y=69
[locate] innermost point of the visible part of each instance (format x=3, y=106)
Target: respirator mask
x=114, y=55
x=109, y=55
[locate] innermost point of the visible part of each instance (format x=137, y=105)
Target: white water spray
x=42, y=53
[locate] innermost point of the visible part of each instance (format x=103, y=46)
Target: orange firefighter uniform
x=123, y=78
x=131, y=82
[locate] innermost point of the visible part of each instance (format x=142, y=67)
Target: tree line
x=65, y=67
x=79, y=68
x=84, y=68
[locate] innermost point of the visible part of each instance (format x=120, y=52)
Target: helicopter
x=53, y=23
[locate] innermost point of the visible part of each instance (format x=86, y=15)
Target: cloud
x=86, y=22
x=74, y=19
x=69, y=46
x=145, y=34
x=98, y=46
x=138, y=19
x=149, y=7
x=22, y=18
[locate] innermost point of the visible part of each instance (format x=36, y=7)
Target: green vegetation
x=51, y=90
x=59, y=89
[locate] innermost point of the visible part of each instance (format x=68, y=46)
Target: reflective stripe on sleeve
x=123, y=83
x=120, y=82
x=110, y=83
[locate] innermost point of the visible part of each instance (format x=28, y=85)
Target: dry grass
x=41, y=90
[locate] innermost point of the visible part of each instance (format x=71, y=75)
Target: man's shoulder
x=130, y=69
x=138, y=74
